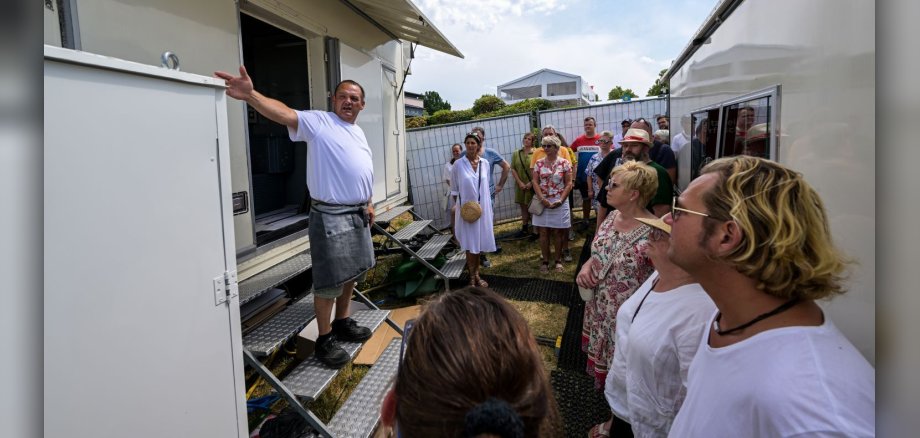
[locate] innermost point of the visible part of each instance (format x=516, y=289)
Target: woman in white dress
x=469, y=181
x=553, y=177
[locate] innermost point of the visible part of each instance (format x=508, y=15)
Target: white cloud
x=506, y=39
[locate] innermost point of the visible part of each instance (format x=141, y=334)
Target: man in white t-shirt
x=340, y=177
x=770, y=362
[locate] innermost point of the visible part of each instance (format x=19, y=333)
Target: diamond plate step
x=358, y=417
x=269, y=336
x=454, y=267
x=431, y=248
x=392, y=213
x=311, y=377
x=271, y=277
x=411, y=230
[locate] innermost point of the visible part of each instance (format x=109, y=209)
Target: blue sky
x=608, y=43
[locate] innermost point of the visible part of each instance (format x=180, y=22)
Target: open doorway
x=277, y=62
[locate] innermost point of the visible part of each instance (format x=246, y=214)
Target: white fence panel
x=570, y=122
x=428, y=150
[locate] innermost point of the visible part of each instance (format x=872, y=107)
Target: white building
x=563, y=89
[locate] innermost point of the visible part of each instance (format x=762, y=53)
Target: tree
x=618, y=93
x=434, y=103
x=487, y=103
x=660, y=87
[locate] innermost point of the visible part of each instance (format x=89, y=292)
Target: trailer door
x=141, y=337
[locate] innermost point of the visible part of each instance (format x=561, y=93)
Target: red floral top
x=552, y=177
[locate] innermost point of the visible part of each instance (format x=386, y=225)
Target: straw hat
x=656, y=223
x=636, y=135
x=757, y=132
x=470, y=211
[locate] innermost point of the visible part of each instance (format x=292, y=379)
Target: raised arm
x=240, y=88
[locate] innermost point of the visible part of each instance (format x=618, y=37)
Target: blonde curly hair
x=639, y=177
x=786, y=245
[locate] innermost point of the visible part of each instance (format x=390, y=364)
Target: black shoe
x=347, y=330
x=534, y=237
x=498, y=248
x=484, y=261
x=329, y=353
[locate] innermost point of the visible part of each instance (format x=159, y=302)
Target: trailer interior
x=277, y=62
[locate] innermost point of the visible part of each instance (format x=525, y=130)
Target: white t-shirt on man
x=785, y=382
x=339, y=165
x=647, y=380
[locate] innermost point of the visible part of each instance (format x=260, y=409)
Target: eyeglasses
x=676, y=211
x=656, y=234
x=550, y=146
x=603, y=141
x=612, y=185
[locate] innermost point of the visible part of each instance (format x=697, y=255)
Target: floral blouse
x=552, y=177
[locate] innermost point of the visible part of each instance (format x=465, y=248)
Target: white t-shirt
x=785, y=382
x=678, y=141
x=339, y=165
x=648, y=377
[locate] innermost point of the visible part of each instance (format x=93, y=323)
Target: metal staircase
x=410, y=232
x=360, y=414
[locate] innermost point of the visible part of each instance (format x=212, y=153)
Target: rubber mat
x=580, y=406
x=533, y=289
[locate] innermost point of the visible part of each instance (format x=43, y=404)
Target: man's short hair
x=786, y=245
x=479, y=129
x=545, y=127
x=350, y=82
x=591, y=119
x=661, y=116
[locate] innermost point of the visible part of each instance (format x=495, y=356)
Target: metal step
x=411, y=230
x=271, y=277
x=431, y=248
x=392, y=213
x=311, y=377
x=454, y=267
x=358, y=417
x=269, y=336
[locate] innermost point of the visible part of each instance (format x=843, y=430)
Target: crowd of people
x=700, y=314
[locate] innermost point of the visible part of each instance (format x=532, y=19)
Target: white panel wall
x=570, y=122
x=429, y=150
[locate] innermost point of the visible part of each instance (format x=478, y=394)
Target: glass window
x=703, y=139
x=746, y=128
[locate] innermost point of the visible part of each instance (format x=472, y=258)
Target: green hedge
x=524, y=106
x=416, y=122
x=442, y=117
x=448, y=116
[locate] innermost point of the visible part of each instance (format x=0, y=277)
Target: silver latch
x=225, y=288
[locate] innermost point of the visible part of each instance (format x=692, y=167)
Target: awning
x=406, y=22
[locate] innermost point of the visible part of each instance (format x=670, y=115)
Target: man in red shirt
x=589, y=138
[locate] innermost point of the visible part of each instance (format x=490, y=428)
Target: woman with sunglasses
x=553, y=177
x=617, y=265
x=487, y=381
x=658, y=332
x=469, y=179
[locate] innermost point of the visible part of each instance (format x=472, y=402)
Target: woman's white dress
x=476, y=237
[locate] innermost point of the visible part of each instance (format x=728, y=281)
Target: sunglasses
x=405, y=338
x=657, y=234
x=603, y=141
x=677, y=212
x=612, y=185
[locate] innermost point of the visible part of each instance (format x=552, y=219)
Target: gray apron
x=340, y=243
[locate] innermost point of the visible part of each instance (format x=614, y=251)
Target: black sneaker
x=347, y=330
x=329, y=353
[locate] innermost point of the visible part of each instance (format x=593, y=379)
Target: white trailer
x=802, y=75
x=168, y=205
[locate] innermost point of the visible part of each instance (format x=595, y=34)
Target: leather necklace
x=782, y=308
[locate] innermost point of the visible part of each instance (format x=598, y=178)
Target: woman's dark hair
x=470, y=348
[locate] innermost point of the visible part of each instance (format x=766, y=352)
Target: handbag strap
x=521, y=160
x=478, y=184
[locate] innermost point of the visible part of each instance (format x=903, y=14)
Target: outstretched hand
x=238, y=87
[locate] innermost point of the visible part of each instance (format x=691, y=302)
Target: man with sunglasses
x=770, y=363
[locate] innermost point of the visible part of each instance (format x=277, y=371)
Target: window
x=703, y=139
x=746, y=128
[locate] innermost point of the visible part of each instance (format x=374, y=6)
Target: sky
x=606, y=42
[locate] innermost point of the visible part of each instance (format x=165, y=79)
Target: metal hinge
x=225, y=288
